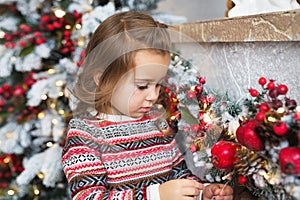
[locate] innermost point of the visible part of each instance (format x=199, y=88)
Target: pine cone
x=249, y=162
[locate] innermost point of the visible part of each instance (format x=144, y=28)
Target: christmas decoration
x=41, y=50
x=258, y=146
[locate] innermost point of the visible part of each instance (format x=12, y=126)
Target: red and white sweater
x=120, y=159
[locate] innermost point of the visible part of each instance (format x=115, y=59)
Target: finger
x=191, y=183
x=214, y=189
x=191, y=191
x=226, y=191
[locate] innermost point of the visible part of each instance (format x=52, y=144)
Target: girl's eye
x=142, y=87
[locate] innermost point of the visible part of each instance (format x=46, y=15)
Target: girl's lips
x=145, y=109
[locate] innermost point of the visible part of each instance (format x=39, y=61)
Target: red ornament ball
x=289, y=159
x=246, y=135
x=223, y=154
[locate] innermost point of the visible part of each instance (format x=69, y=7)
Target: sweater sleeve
x=180, y=169
x=86, y=173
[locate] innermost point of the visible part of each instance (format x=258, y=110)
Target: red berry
x=280, y=128
x=264, y=107
x=195, y=128
x=191, y=95
x=273, y=93
x=271, y=85
x=19, y=90
x=282, y=89
x=291, y=104
x=210, y=98
x=199, y=88
x=22, y=43
x=37, y=34
x=262, y=80
x=289, y=159
x=45, y=18
x=8, y=37
x=242, y=180
x=223, y=154
x=193, y=148
x=260, y=116
x=6, y=87
x=202, y=80
x=253, y=92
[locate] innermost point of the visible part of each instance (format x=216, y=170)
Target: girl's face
x=137, y=91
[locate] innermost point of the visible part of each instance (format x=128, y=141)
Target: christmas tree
x=41, y=49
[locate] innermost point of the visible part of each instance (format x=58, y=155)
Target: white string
x=221, y=190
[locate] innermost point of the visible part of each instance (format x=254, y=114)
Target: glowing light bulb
x=271, y=119
x=11, y=192
x=51, y=71
x=44, y=96
x=36, y=191
x=58, y=12
x=49, y=144
x=41, y=115
x=59, y=83
x=40, y=175
x=281, y=110
x=61, y=112
x=61, y=93
x=78, y=26
x=54, y=121
x=6, y=160
x=68, y=27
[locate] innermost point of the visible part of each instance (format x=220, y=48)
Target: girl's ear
x=97, y=78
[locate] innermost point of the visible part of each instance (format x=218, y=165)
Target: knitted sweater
x=128, y=159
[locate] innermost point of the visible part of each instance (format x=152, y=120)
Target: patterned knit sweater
x=111, y=159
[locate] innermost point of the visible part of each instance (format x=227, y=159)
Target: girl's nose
x=153, y=93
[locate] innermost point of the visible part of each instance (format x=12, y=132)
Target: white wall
x=194, y=10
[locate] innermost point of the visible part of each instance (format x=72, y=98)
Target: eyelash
x=144, y=87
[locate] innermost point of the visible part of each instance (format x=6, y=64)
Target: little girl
x=118, y=147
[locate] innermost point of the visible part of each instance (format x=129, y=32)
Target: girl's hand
x=217, y=191
x=180, y=189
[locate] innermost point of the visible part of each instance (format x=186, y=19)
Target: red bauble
x=282, y=89
x=223, y=154
x=289, y=159
x=280, y=128
x=247, y=136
